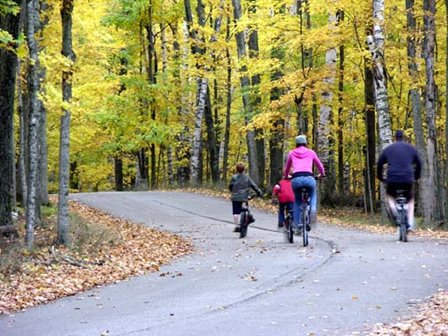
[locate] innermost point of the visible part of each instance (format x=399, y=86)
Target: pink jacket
x=301, y=160
x=284, y=191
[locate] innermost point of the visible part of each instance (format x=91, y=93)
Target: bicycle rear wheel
x=289, y=229
x=403, y=229
x=243, y=224
x=305, y=222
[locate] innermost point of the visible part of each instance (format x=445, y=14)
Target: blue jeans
x=297, y=183
x=283, y=207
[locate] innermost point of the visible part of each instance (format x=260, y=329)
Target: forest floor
x=107, y=250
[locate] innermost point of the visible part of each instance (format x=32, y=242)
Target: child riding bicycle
x=239, y=186
x=284, y=195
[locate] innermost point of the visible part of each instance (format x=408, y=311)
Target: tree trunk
x=34, y=124
x=341, y=121
x=324, y=143
x=254, y=51
x=8, y=71
x=118, y=164
x=152, y=80
x=369, y=116
x=415, y=94
x=42, y=190
x=64, y=149
x=430, y=176
x=240, y=37
x=277, y=139
x=228, y=107
x=446, y=120
x=376, y=46
x=142, y=181
x=211, y=141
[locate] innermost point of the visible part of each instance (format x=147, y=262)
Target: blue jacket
x=403, y=163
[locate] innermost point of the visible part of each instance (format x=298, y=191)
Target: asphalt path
x=345, y=281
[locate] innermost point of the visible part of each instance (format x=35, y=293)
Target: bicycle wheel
x=305, y=222
x=243, y=225
x=402, y=228
x=289, y=229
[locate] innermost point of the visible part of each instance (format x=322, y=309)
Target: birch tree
x=376, y=47
x=324, y=144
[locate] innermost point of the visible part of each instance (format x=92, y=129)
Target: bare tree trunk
x=40, y=23
x=152, y=80
x=34, y=124
x=245, y=86
x=228, y=107
x=118, y=165
x=64, y=150
x=324, y=143
x=8, y=71
x=376, y=47
x=256, y=99
x=375, y=43
x=414, y=92
x=341, y=121
x=370, y=152
x=446, y=121
x=277, y=139
x=430, y=176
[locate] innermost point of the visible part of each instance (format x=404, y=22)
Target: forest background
x=164, y=94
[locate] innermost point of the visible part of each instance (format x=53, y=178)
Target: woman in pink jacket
x=301, y=161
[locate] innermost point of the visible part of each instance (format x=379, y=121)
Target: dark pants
x=283, y=207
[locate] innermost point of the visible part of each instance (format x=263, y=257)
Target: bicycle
x=305, y=217
x=402, y=220
x=245, y=217
x=288, y=225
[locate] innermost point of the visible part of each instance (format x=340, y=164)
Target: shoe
x=237, y=229
x=280, y=225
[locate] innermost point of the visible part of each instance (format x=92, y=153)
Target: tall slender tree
x=431, y=199
x=64, y=151
x=9, y=22
x=416, y=106
x=240, y=37
x=325, y=140
x=34, y=122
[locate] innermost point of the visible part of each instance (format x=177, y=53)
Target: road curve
x=344, y=281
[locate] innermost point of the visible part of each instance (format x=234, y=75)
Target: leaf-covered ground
x=110, y=250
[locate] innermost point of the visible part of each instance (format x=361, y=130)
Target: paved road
x=342, y=282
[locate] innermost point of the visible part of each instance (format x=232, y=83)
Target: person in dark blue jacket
x=403, y=169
